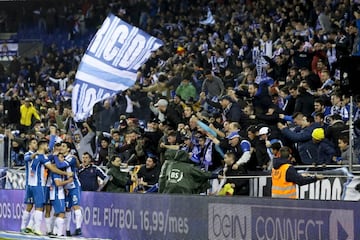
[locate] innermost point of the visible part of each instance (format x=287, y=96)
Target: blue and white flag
x=110, y=63
x=209, y=19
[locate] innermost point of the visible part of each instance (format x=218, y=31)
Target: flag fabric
x=110, y=63
x=209, y=19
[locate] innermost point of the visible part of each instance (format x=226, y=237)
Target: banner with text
x=110, y=63
x=8, y=49
x=160, y=216
x=340, y=185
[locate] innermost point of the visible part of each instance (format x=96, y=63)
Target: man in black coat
x=232, y=110
x=304, y=102
x=172, y=116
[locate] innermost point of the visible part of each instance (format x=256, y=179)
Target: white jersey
x=56, y=192
x=38, y=175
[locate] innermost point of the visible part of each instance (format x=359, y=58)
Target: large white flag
x=110, y=63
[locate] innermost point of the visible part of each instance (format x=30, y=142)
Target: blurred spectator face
x=201, y=141
x=150, y=163
x=68, y=138
x=104, y=144
x=226, y=126
x=248, y=110
x=305, y=122
x=116, y=162
x=86, y=159
x=193, y=123
x=233, y=142
x=318, y=119
x=107, y=104
x=298, y=120
x=130, y=137
x=342, y=145
x=209, y=76
x=251, y=135
x=177, y=99
x=15, y=144
x=304, y=73
x=293, y=92
x=292, y=72
x=171, y=139
x=263, y=137
x=188, y=112
x=318, y=107
x=335, y=100
x=252, y=90
x=324, y=76
x=304, y=84
x=77, y=138
x=224, y=103
x=116, y=137
x=228, y=159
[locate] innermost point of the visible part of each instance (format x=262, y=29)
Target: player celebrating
x=29, y=201
x=37, y=182
x=73, y=196
x=57, y=198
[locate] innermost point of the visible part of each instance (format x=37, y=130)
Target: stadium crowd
x=233, y=83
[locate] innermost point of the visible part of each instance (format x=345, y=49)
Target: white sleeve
x=244, y=158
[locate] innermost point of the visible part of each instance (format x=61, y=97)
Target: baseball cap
x=233, y=135
x=155, y=120
x=263, y=130
x=161, y=102
x=226, y=97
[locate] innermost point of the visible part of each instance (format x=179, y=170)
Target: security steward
x=285, y=177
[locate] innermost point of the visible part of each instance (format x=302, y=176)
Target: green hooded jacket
x=119, y=179
x=179, y=175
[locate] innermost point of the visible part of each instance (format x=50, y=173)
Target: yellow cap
x=318, y=134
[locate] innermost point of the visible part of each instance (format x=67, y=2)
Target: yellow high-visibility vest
x=280, y=187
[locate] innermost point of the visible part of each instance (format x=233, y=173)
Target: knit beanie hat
x=318, y=134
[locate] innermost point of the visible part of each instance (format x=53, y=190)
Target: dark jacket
x=179, y=175
x=241, y=184
x=291, y=174
x=302, y=136
x=234, y=113
x=326, y=151
x=173, y=117
x=88, y=177
x=118, y=179
x=149, y=175
x=304, y=103
x=334, y=131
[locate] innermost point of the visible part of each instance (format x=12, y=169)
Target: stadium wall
x=158, y=216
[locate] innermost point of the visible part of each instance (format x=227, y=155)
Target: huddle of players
x=51, y=183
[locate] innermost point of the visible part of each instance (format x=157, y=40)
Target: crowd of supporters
x=245, y=77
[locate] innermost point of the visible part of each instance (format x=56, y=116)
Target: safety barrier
x=161, y=216
x=339, y=184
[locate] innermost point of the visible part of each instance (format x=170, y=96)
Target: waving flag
x=209, y=19
x=110, y=63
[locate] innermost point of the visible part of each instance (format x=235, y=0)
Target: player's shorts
x=58, y=205
x=28, y=198
x=73, y=197
x=38, y=194
x=47, y=195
